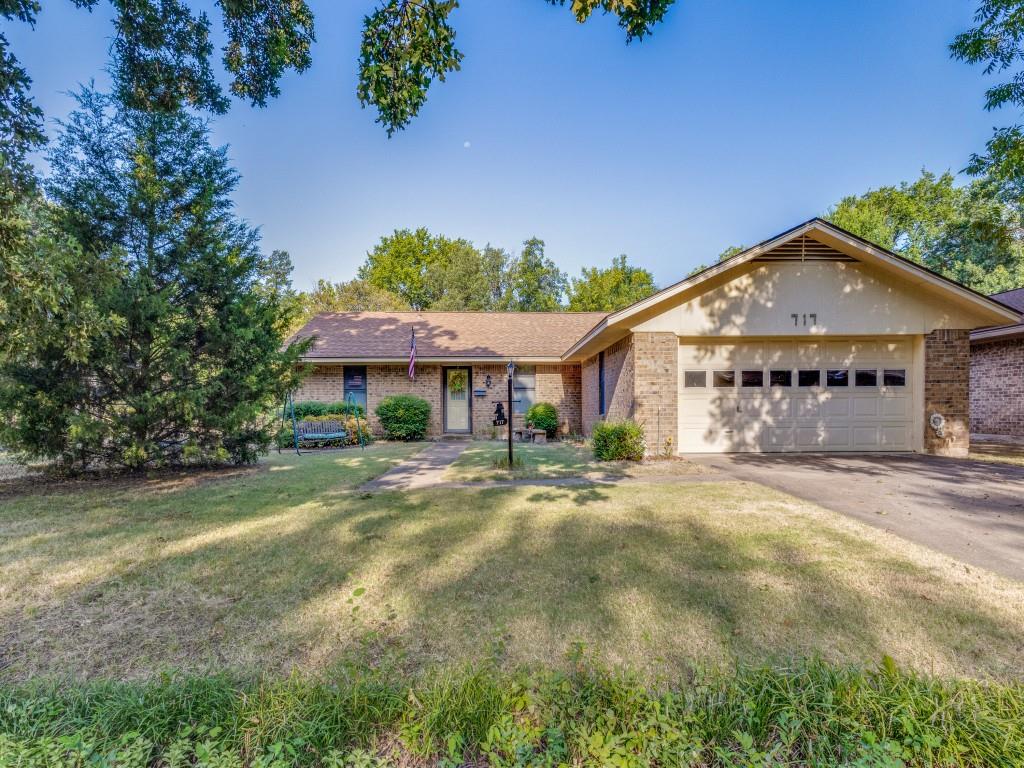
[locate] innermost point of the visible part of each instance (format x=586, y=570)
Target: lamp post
x=511, y=375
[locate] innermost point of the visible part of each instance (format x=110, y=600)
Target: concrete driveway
x=971, y=510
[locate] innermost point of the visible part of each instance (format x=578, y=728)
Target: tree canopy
x=535, y=283
x=997, y=42
x=606, y=290
x=163, y=52
x=967, y=232
x=434, y=272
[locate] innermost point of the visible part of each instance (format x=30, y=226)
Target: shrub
x=618, y=440
x=543, y=416
x=404, y=417
x=305, y=408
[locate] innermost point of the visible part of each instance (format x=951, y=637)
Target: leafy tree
x=535, y=283
x=399, y=264
x=966, y=233
x=163, y=52
x=606, y=290
x=152, y=330
x=436, y=272
x=727, y=253
x=351, y=296
x=997, y=42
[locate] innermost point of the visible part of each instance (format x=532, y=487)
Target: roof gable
x=813, y=241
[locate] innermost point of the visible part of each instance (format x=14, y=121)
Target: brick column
x=947, y=363
x=656, y=386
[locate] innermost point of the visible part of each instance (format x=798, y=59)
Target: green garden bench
x=320, y=431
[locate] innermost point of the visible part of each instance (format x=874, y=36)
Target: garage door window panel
x=809, y=378
x=725, y=379
x=695, y=379
x=866, y=377
x=779, y=378
x=894, y=377
x=752, y=379
x=837, y=377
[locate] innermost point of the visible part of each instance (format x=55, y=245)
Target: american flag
x=412, y=355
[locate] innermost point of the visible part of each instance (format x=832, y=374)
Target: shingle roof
x=1014, y=298
x=503, y=335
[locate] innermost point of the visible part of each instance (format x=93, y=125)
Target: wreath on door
x=457, y=382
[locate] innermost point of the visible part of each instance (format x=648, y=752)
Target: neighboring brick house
x=814, y=340
x=997, y=375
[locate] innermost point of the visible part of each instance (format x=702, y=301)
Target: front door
x=457, y=382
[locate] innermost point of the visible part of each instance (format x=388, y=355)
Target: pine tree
x=175, y=315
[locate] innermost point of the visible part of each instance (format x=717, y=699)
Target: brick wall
x=656, y=388
x=947, y=359
x=618, y=385
x=324, y=384
x=483, y=407
x=384, y=380
x=997, y=387
x=560, y=386
x=556, y=384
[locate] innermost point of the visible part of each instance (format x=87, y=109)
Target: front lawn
x=290, y=567
x=488, y=460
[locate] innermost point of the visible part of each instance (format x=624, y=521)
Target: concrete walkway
x=425, y=469
x=971, y=510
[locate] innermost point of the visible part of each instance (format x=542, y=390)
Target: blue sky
x=736, y=120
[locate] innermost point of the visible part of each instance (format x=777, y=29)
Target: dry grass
x=485, y=461
x=290, y=568
x=998, y=452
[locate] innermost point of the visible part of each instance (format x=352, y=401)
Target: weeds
x=813, y=714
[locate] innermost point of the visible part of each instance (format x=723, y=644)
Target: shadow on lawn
x=444, y=576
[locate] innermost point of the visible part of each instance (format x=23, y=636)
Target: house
x=813, y=340
x=997, y=374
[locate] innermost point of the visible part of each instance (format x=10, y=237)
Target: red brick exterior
x=656, y=388
x=618, y=385
x=947, y=362
x=641, y=383
x=997, y=387
x=556, y=384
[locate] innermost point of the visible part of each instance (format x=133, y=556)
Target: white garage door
x=796, y=396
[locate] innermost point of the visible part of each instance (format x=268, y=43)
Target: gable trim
x=918, y=272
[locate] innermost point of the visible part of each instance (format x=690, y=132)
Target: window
x=837, y=378
x=524, y=388
x=695, y=379
x=354, y=377
x=866, y=377
x=725, y=378
x=894, y=377
x=808, y=378
x=781, y=378
x=600, y=383
x=752, y=378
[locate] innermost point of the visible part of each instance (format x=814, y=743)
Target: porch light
x=487, y=381
x=511, y=369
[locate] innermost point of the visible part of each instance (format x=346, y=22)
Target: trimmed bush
x=404, y=417
x=306, y=408
x=618, y=440
x=543, y=416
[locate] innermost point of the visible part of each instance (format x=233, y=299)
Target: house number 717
x=799, y=319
